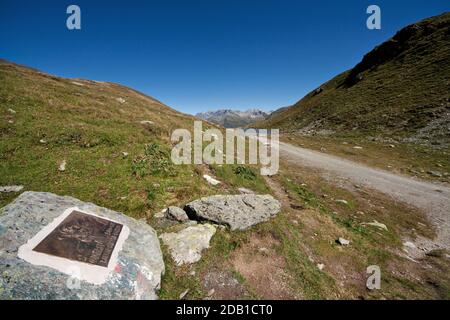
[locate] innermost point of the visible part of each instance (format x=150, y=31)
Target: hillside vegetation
x=400, y=91
x=114, y=140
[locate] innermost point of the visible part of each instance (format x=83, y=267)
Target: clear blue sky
x=203, y=55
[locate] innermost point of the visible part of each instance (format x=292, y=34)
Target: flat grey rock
x=177, y=214
x=186, y=246
x=239, y=212
x=136, y=274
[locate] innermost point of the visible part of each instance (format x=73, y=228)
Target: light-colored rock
x=211, y=180
x=62, y=165
x=77, y=84
x=186, y=245
x=245, y=191
x=183, y=294
x=211, y=292
x=147, y=122
x=341, y=201
x=343, y=242
x=237, y=211
x=176, y=214
x=125, y=154
x=120, y=100
x=136, y=275
x=43, y=141
x=377, y=224
x=409, y=244
x=434, y=173
x=7, y=189
x=160, y=214
x=357, y=147
x=320, y=266
x=11, y=111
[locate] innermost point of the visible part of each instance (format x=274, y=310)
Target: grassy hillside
x=46, y=120
x=399, y=91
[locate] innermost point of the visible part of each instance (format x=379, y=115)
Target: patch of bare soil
x=263, y=268
x=223, y=285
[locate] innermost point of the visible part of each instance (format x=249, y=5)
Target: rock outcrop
x=239, y=212
x=135, y=272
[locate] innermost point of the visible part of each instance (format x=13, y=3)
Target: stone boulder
x=186, y=245
x=177, y=214
x=134, y=273
x=239, y=212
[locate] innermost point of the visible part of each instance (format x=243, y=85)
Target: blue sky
x=203, y=55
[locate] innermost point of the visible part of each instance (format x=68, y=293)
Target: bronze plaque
x=82, y=237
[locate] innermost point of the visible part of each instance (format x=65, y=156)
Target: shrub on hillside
x=245, y=172
x=154, y=161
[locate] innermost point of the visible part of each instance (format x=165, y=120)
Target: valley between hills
x=363, y=180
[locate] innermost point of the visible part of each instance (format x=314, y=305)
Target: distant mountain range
x=233, y=118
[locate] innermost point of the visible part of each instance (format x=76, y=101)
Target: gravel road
x=432, y=199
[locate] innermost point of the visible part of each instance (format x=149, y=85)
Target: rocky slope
x=400, y=90
x=233, y=118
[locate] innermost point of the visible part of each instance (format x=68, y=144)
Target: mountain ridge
x=399, y=90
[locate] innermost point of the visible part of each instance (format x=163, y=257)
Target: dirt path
x=433, y=199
